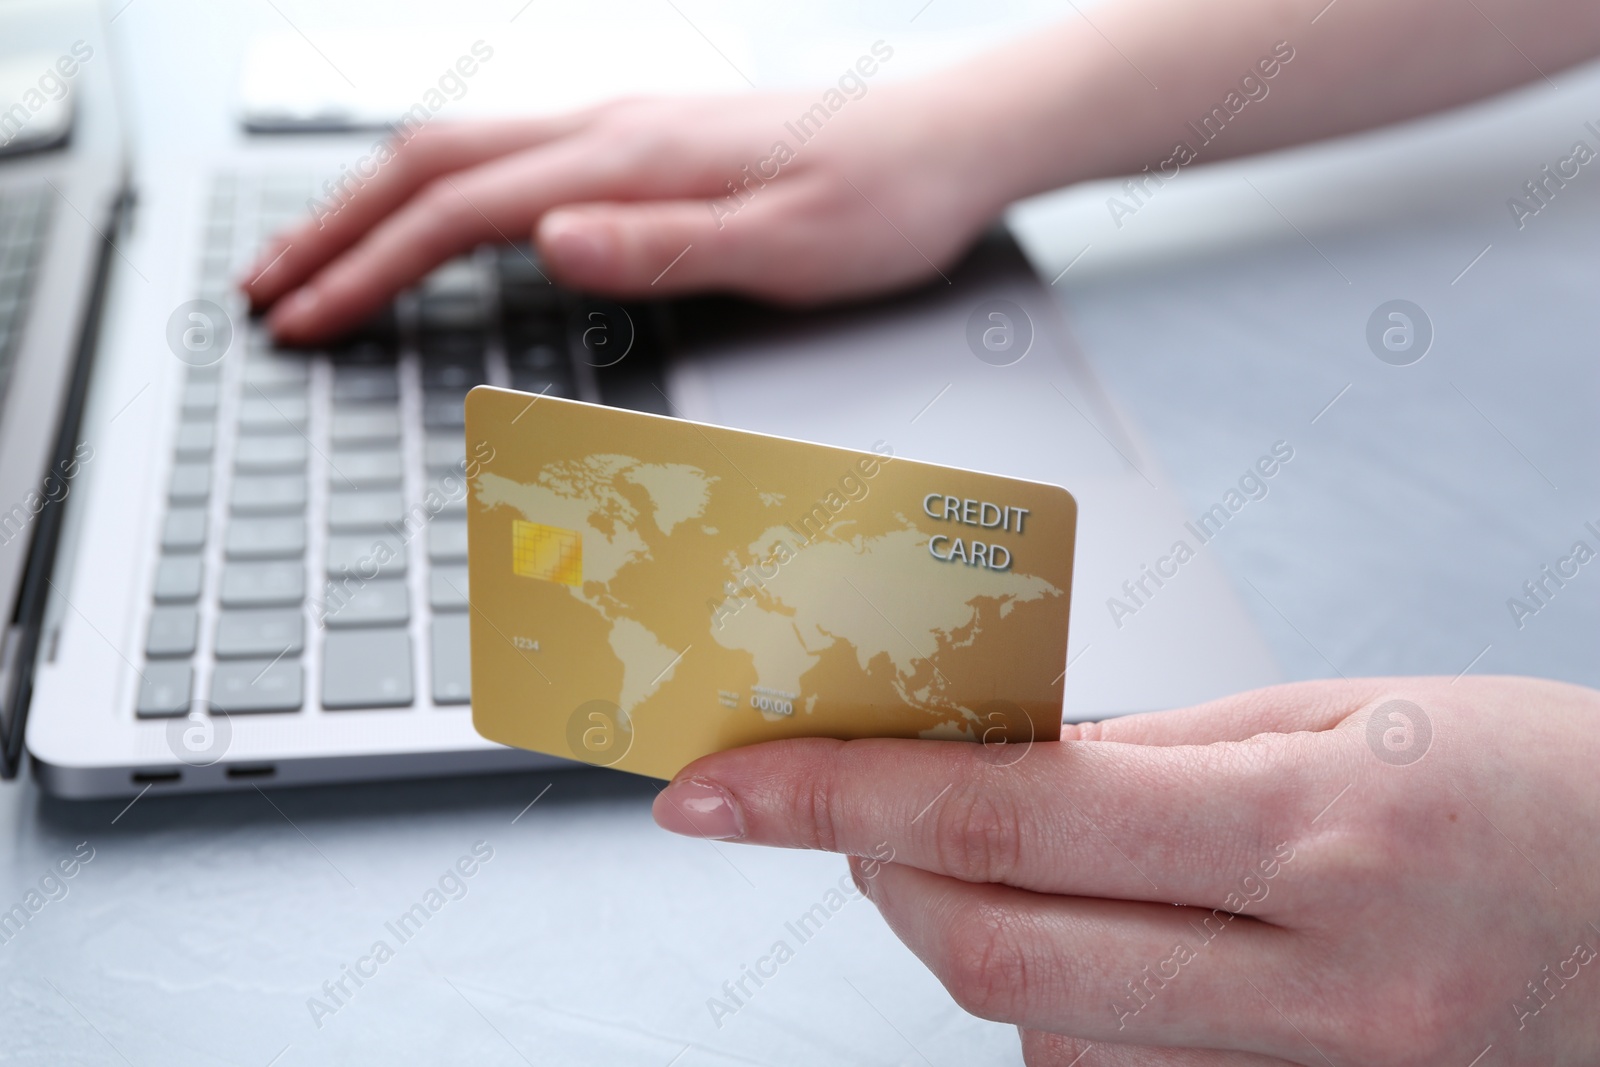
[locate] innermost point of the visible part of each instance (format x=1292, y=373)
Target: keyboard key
x=528, y=323
x=263, y=585
x=195, y=440
x=190, y=484
x=370, y=425
x=381, y=602
x=557, y=385
x=364, y=469
x=267, y=633
x=219, y=291
x=164, y=690
x=366, y=556
x=452, y=659
x=447, y=541
x=268, y=414
x=454, y=506
x=374, y=341
x=200, y=398
x=459, y=347
x=538, y=357
x=446, y=493
x=601, y=334
x=366, y=669
x=444, y=410
x=266, y=538
x=214, y=263
x=172, y=632
x=372, y=344
x=184, y=530
x=283, y=191
x=258, y=494
x=368, y=509
x=452, y=294
x=219, y=228
x=275, y=375
x=364, y=384
x=257, y=685
x=178, y=579
x=447, y=587
x=454, y=374
x=216, y=269
x=456, y=312
x=519, y=265
x=276, y=453
x=444, y=451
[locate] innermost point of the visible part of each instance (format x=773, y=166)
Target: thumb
x=1301, y=706
x=651, y=248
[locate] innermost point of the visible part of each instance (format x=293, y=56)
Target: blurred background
x=1228, y=314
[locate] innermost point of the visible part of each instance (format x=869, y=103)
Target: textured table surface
x=1229, y=313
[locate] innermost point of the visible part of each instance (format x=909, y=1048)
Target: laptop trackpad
x=978, y=372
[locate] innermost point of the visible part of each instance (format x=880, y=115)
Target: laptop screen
x=61, y=183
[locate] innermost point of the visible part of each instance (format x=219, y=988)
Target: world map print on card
x=647, y=590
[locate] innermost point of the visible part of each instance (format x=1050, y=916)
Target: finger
x=641, y=249
x=498, y=201
x=350, y=208
x=787, y=245
x=1101, y=970
x=1134, y=822
x=1317, y=705
x=1043, y=1049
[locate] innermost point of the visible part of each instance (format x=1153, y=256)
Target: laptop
x=185, y=617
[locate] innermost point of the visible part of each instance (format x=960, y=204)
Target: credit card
x=646, y=590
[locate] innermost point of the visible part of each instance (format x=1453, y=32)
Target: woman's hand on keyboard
x=796, y=198
x=864, y=185
x=1376, y=871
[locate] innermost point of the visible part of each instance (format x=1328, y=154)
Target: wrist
x=1037, y=115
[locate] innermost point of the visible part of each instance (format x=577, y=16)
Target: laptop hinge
x=8, y=669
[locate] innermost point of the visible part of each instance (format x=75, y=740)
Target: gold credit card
x=647, y=590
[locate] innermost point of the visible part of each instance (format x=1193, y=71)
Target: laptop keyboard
x=24, y=220
x=313, y=551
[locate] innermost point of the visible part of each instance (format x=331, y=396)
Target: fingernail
x=699, y=807
x=295, y=308
x=575, y=245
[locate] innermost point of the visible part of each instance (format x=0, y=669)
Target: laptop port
x=156, y=777
x=252, y=770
